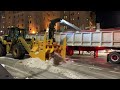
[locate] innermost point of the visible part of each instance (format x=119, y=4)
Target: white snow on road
x=48, y=65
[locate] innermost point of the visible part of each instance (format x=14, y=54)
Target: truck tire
x=2, y=50
x=114, y=57
x=18, y=51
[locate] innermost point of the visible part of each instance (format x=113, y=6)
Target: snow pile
x=36, y=63
x=48, y=65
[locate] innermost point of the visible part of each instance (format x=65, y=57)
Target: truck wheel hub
x=114, y=58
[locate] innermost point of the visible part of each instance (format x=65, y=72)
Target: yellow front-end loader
x=16, y=43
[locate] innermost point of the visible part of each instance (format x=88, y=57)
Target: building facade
x=38, y=21
x=2, y=23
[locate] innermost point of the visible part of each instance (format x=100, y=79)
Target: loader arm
x=51, y=27
x=62, y=21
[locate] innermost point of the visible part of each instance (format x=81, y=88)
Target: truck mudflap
x=4, y=74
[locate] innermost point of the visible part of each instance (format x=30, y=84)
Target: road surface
x=84, y=67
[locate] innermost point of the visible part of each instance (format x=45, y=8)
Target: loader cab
x=15, y=32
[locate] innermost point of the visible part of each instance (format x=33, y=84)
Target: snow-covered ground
x=49, y=66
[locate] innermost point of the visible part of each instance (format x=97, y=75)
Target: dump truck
x=93, y=41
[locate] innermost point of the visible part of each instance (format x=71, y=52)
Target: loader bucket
x=44, y=49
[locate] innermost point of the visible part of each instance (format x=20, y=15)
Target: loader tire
x=2, y=50
x=114, y=57
x=18, y=51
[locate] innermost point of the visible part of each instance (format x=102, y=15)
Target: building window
x=72, y=14
x=22, y=20
x=30, y=21
x=3, y=17
x=48, y=19
x=21, y=14
x=30, y=28
x=18, y=21
x=18, y=15
x=36, y=27
x=78, y=18
x=9, y=17
x=44, y=18
x=65, y=17
x=48, y=14
x=18, y=25
x=65, y=27
x=14, y=16
x=22, y=25
x=64, y=12
x=36, y=21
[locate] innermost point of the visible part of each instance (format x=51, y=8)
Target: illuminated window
x=64, y=11
x=78, y=12
x=73, y=18
x=65, y=27
x=65, y=17
x=3, y=17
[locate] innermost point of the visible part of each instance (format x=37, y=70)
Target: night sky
x=108, y=19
